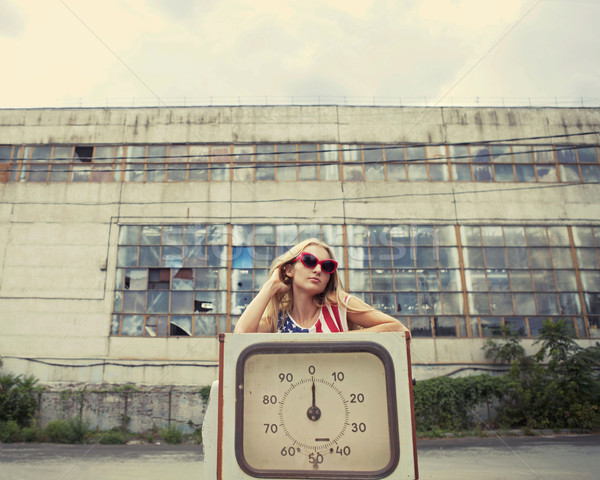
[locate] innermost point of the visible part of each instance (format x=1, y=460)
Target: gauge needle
x=313, y=413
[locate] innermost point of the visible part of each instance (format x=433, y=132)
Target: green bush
x=73, y=430
x=113, y=437
x=558, y=387
x=18, y=398
x=32, y=434
x=10, y=432
x=171, y=435
x=447, y=404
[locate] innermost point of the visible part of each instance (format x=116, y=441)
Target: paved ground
x=544, y=457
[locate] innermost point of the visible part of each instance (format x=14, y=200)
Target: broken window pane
x=136, y=279
x=132, y=325
x=205, y=302
x=239, y=302
x=241, y=280
x=182, y=279
x=181, y=326
x=159, y=279
x=156, y=326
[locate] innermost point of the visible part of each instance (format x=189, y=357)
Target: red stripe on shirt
x=318, y=327
x=336, y=314
x=329, y=320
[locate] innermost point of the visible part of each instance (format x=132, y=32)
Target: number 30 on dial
x=315, y=410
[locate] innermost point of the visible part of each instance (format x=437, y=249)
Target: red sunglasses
x=310, y=261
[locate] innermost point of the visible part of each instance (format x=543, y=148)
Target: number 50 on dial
x=316, y=410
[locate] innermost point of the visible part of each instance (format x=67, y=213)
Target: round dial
x=316, y=410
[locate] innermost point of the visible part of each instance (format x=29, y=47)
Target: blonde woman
x=304, y=294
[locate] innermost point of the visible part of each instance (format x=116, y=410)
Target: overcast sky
x=61, y=52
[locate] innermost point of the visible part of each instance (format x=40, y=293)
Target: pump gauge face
x=315, y=410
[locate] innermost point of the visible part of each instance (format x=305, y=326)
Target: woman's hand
x=279, y=282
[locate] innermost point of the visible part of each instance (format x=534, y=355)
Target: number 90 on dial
x=316, y=410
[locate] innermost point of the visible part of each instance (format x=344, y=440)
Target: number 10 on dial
x=316, y=410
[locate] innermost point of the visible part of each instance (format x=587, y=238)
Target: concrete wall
x=58, y=241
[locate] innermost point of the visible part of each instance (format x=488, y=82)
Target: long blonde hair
x=334, y=292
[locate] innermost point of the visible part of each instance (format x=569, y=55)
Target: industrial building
x=130, y=238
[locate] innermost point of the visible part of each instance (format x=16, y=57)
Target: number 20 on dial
x=316, y=411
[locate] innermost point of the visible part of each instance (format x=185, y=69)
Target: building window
x=440, y=280
x=302, y=162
